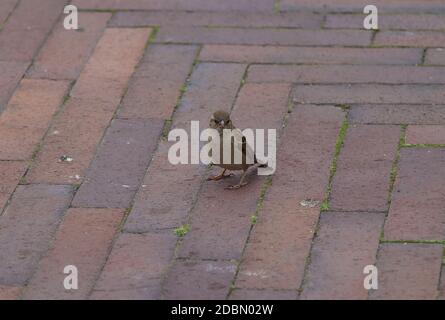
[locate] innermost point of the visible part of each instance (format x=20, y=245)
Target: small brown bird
x=220, y=120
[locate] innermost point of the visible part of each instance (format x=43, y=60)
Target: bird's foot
x=219, y=177
x=236, y=186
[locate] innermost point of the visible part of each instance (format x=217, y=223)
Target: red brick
x=28, y=115
x=266, y=294
x=10, y=174
x=273, y=258
x=345, y=244
x=83, y=240
x=155, y=87
x=65, y=52
x=119, y=165
x=346, y=74
x=424, y=134
x=6, y=7
x=9, y=293
x=27, y=27
x=190, y=5
x=435, y=56
x=213, y=86
x=20, y=45
x=150, y=293
x=25, y=235
x=221, y=218
x=410, y=38
x=418, y=198
x=361, y=181
x=397, y=114
x=232, y=19
x=10, y=74
x=136, y=261
x=329, y=55
x=408, y=271
x=77, y=130
x=199, y=280
x=263, y=36
x=370, y=93
x=162, y=202
x=357, y=6
x=35, y=14
x=393, y=21
x=113, y=61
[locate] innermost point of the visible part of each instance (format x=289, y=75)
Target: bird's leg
x=220, y=176
x=240, y=184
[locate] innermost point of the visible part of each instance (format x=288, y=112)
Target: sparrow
x=220, y=120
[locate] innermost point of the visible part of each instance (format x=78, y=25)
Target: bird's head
x=220, y=120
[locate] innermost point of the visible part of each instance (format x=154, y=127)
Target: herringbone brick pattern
x=360, y=116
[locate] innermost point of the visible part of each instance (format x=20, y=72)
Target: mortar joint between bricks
x=168, y=122
x=324, y=206
x=265, y=187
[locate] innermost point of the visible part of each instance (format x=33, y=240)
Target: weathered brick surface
x=191, y=5
x=66, y=51
x=27, y=27
x=155, y=88
x=356, y=6
x=208, y=280
x=27, y=117
x=221, y=218
x=385, y=22
x=83, y=240
x=397, y=114
x=6, y=7
x=273, y=259
x=265, y=294
x=346, y=74
x=113, y=61
x=9, y=293
x=135, y=266
x=361, y=93
x=423, y=134
x=345, y=244
x=435, y=56
x=77, y=130
x=416, y=211
x=313, y=52
x=361, y=181
x=232, y=19
x=410, y=38
x=313, y=55
x=10, y=74
x=263, y=36
x=10, y=174
x=27, y=226
x=162, y=202
x=408, y=271
x=119, y=166
x=213, y=86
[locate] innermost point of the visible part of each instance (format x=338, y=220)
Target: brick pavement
x=361, y=122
